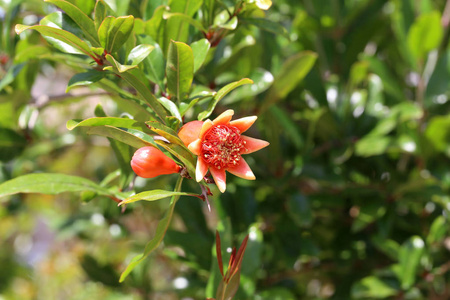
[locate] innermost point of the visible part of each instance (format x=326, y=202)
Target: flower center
x=222, y=146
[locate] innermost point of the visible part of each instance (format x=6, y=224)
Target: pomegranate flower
x=219, y=147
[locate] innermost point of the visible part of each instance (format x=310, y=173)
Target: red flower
x=219, y=146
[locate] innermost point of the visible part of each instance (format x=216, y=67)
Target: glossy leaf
x=85, y=78
x=114, y=32
x=171, y=107
x=154, y=195
x=78, y=16
x=60, y=35
x=161, y=229
x=139, y=53
x=110, y=121
x=200, y=49
x=154, y=65
x=220, y=94
x=51, y=184
x=179, y=70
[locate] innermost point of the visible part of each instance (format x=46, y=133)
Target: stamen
x=222, y=145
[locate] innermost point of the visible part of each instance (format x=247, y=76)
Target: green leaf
x=101, y=11
x=78, y=16
x=291, y=74
x=200, y=49
x=438, y=231
x=177, y=29
x=170, y=106
x=103, y=121
x=222, y=20
x=61, y=35
x=179, y=70
x=154, y=64
x=425, y=34
x=118, y=66
x=139, y=53
x=371, y=145
x=155, y=26
x=11, y=144
x=161, y=229
x=10, y=75
x=220, y=94
x=114, y=32
x=85, y=78
x=141, y=87
x=262, y=79
x=154, y=195
x=409, y=258
x=373, y=288
x=168, y=15
x=438, y=133
x=134, y=138
x=267, y=25
x=51, y=184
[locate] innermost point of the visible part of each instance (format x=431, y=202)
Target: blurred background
x=352, y=196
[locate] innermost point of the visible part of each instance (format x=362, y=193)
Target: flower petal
x=220, y=178
x=201, y=169
x=224, y=118
x=190, y=131
x=242, y=170
x=252, y=145
x=244, y=123
x=206, y=126
x=195, y=146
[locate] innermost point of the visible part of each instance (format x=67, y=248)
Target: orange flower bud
x=149, y=162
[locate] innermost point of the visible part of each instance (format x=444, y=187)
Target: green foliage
x=351, y=198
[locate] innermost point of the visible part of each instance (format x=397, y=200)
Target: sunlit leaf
x=78, y=16
x=154, y=195
x=51, y=184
